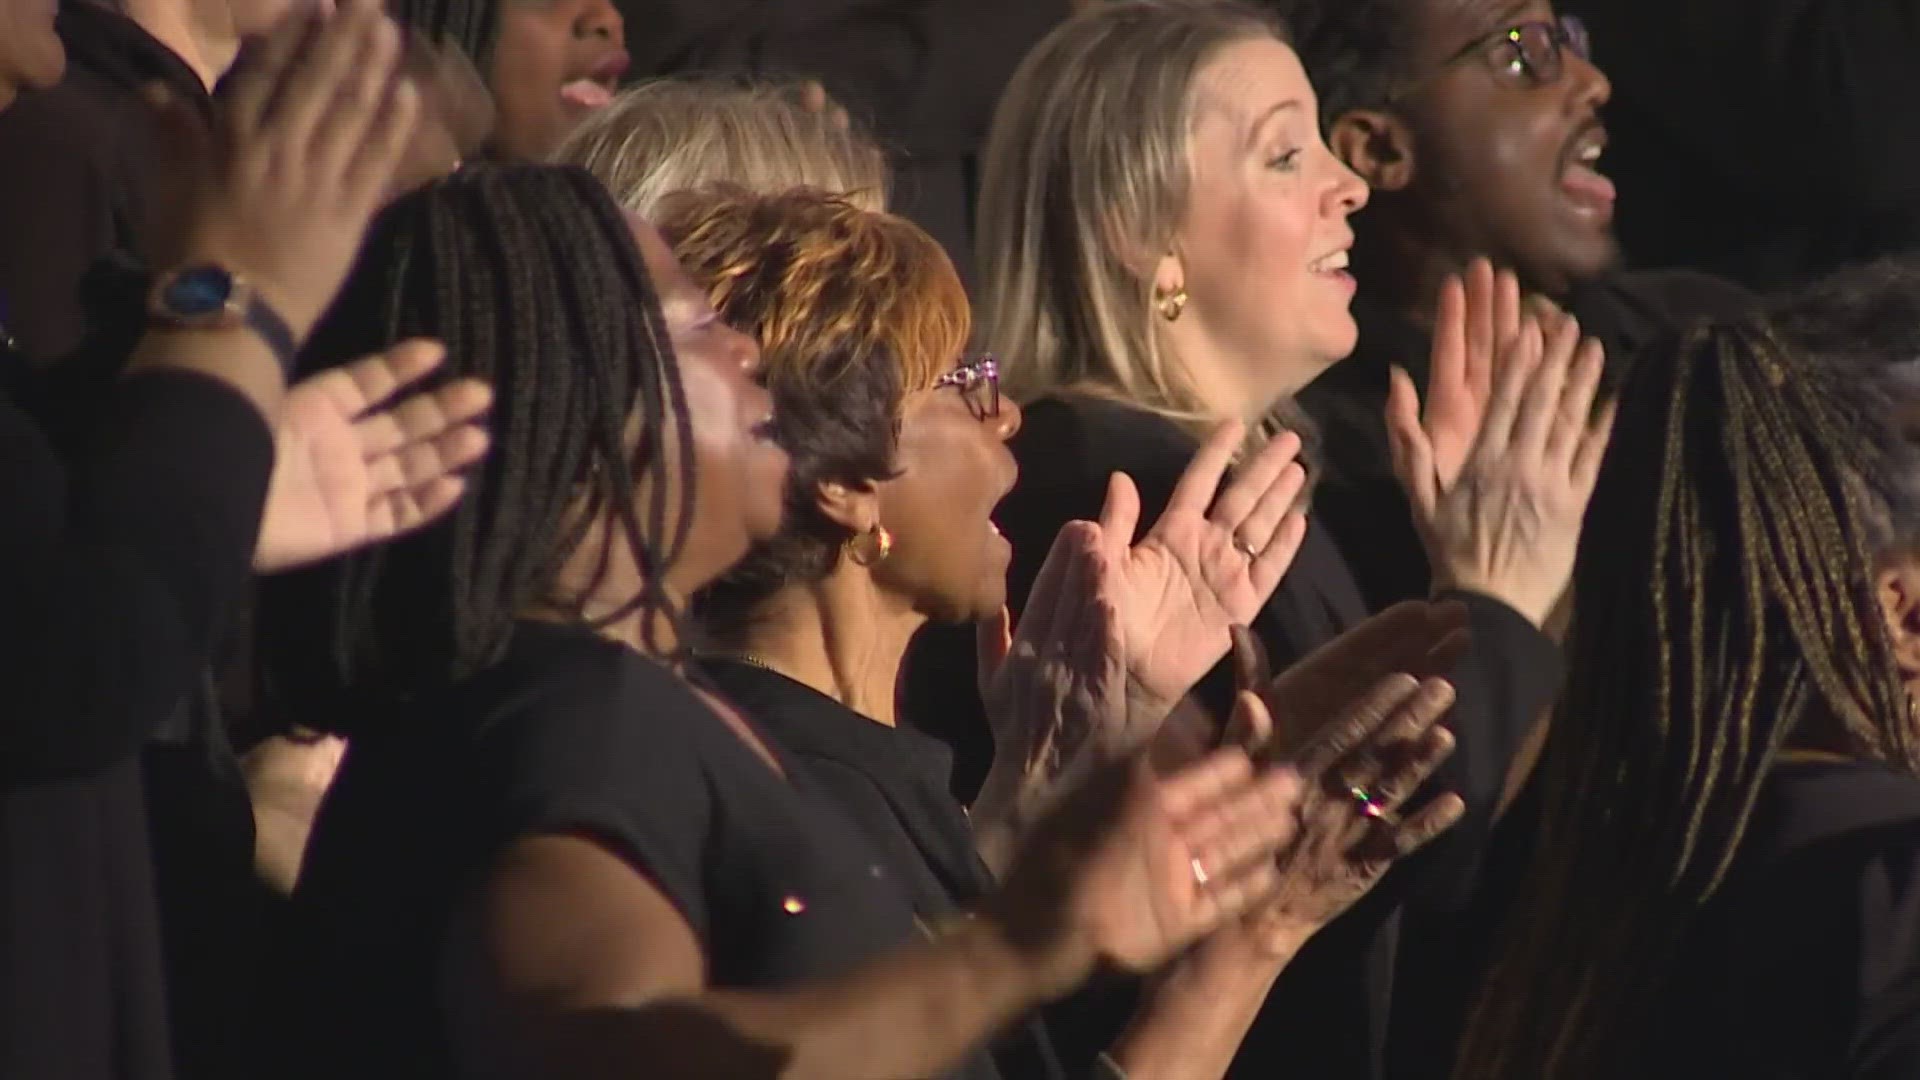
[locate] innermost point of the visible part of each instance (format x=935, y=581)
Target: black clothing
x=80, y=200
x=1357, y=496
x=924, y=75
x=84, y=162
x=1702, y=94
x=1327, y=1015
x=121, y=558
x=893, y=781
x=1805, y=966
x=569, y=734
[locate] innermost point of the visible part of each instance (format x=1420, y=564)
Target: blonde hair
x=1086, y=174
x=676, y=135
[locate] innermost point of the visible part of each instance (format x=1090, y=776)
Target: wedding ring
x=1244, y=548
x=1371, y=806
x=1200, y=875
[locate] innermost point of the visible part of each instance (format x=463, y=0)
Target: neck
x=842, y=637
x=1402, y=267
x=200, y=32
x=1224, y=392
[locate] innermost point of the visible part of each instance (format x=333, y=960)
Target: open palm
x=357, y=462
x=1206, y=565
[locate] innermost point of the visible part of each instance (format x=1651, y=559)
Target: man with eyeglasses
x=1477, y=123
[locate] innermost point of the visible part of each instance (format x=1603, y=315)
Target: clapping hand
x=1499, y=501
x=358, y=459
x=1358, y=770
x=1207, y=564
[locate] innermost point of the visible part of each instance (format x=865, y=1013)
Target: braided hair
x=1754, y=477
x=530, y=277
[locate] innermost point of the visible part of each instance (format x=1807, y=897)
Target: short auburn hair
x=854, y=310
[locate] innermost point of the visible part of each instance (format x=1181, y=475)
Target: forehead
x=1246, y=80
x=670, y=280
x=1446, y=26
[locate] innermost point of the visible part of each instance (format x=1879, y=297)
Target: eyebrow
x=1253, y=130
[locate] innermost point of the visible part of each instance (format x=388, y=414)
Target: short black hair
x=530, y=277
x=1359, y=54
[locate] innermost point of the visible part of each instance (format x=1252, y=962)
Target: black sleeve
x=56, y=219
x=117, y=562
x=1504, y=684
x=1886, y=1044
x=608, y=751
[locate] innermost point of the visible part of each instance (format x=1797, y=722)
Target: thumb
x=1120, y=514
x=1250, y=668
x=1407, y=439
x=1251, y=726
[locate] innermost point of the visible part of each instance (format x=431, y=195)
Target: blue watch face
x=198, y=291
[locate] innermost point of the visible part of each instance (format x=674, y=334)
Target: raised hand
x=1131, y=868
x=1055, y=691
x=357, y=460
x=1207, y=564
x=306, y=143
x=1508, y=523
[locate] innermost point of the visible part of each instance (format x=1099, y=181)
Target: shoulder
x=1070, y=441
x=68, y=124
x=1635, y=309
x=568, y=717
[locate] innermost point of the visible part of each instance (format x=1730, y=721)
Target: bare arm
x=569, y=964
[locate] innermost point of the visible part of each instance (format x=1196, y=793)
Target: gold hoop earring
x=872, y=547
x=1171, y=302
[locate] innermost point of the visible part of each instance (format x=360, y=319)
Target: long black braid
x=1754, y=477
x=530, y=277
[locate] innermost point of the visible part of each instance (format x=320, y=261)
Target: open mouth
x=1580, y=175
x=595, y=88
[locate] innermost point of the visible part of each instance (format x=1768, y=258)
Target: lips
x=1580, y=175
x=594, y=88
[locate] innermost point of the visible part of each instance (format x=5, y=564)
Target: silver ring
x=1244, y=548
x=1200, y=875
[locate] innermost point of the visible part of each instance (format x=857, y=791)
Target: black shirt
x=569, y=734
x=1806, y=965
x=120, y=557
x=893, y=781
x=86, y=166
x=1328, y=1013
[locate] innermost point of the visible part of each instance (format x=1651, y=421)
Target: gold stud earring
x=1170, y=301
x=872, y=547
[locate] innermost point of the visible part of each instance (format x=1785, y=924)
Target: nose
x=1007, y=424
x=600, y=19
x=1349, y=192
x=1588, y=86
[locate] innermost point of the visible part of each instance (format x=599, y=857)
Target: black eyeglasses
x=979, y=383
x=1531, y=53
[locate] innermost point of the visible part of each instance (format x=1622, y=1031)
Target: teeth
x=1327, y=264
x=992, y=528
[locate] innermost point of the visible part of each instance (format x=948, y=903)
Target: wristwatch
x=211, y=297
